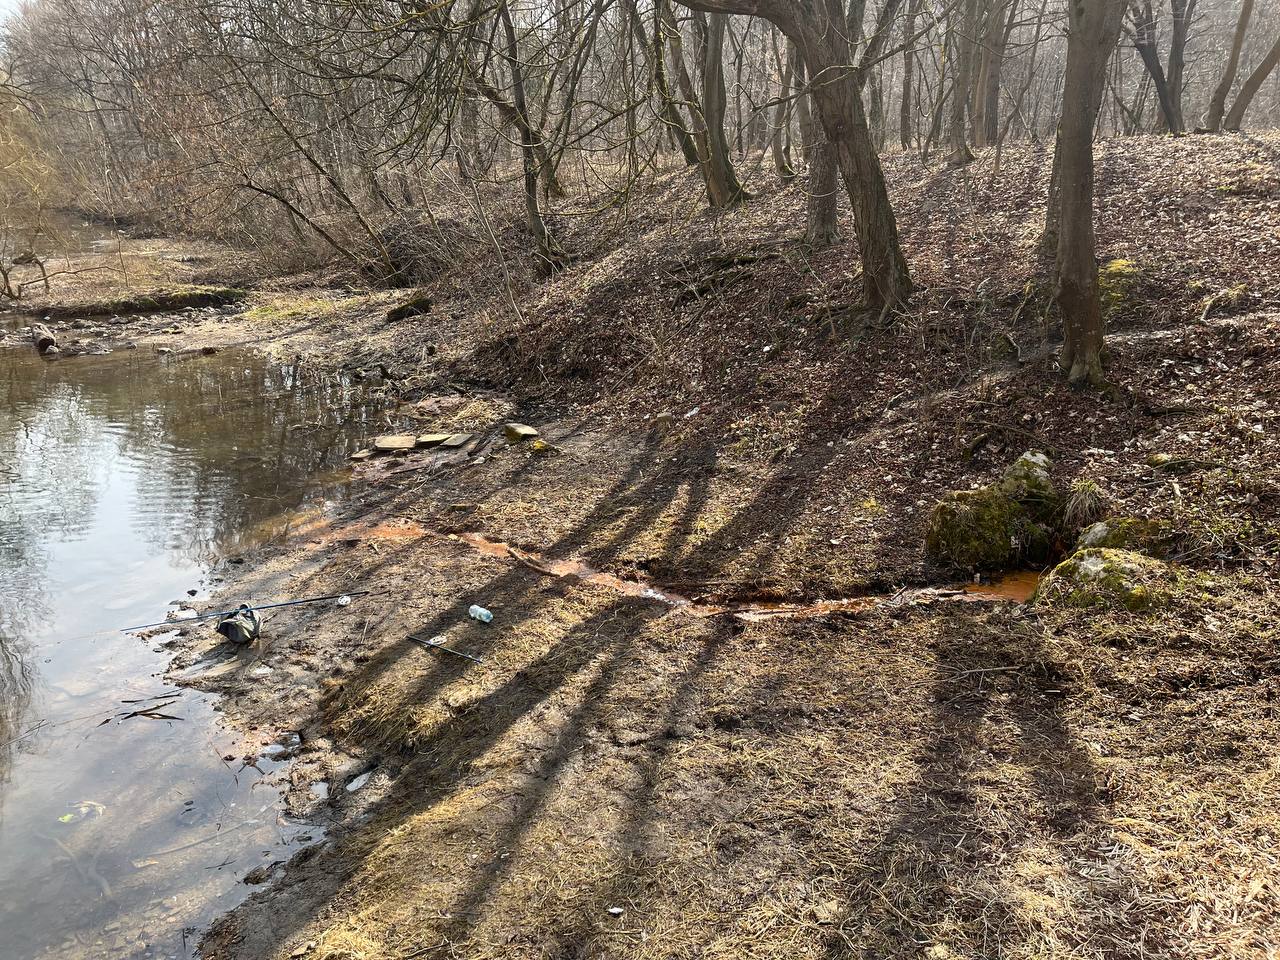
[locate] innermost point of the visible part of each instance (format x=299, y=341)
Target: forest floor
x=632, y=775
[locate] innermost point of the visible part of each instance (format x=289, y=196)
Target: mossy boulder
x=1106, y=577
x=1011, y=521
x=970, y=529
x=1116, y=280
x=1152, y=537
x=416, y=306
x=1026, y=482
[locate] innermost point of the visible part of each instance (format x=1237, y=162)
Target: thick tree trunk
x=986, y=86
x=1094, y=31
x=1218, y=103
x=885, y=277
x=820, y=33
x=822, y=208
x=1251, y=87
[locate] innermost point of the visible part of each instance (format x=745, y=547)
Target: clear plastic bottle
x=478, y=612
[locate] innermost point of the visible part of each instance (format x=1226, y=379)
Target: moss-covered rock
x=1009, y=522
x=1152, y=537
x=1027, y=483
x=971, y=529
x=1105, y=577
x=416, y=306
x=1116, y=280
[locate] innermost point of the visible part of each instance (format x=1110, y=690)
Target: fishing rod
x=228, y=613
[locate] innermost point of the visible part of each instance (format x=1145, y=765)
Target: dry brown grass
x=953, y=781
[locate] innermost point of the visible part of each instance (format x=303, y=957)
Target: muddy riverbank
x=132, y=484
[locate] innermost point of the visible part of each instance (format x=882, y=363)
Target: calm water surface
x=124, y=480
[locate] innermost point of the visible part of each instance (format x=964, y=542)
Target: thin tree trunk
x=549, y=256
x=820, y=33
x=1251, y=86
x=1182, y=10
x=875, y=110
x=804, y=115
x=723, y=188
x=782, y=118
x=906, y=108
x=963, y=45
x=1144, y=41
x=1218, y=103
x=716, y=173
x=668, y=112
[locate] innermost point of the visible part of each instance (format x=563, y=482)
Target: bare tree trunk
x=550, y=256
x=782, y=117
x=1144, y=41
x=1251, y=86
x=1182, y=10
x=723, y=188
x=822, y=207
x=820, y=33
x=1094, y=31
x=804, y=115
x=906, y=108
x=717, y=171
x=1218, y=103
x=1048, y=246
x=875, y=109
x=668, y=112
x=986, y=87
x=963, y=45
x=467, y=149
x=885, y=277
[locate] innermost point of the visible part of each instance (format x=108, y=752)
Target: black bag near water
x=241, y=627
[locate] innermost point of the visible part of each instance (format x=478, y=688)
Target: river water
x=126, y=482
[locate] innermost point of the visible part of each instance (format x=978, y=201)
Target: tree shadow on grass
x=453, y=746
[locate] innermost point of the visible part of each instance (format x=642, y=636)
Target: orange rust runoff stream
x=1017, y=587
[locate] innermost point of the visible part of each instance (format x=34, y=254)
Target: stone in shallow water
x=362, y=455
x=458, y=440
x=392, y=442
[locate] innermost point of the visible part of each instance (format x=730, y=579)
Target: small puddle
x=127, y=813
x=1017, y=587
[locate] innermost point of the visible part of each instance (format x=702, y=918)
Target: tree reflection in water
x=211, y=447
